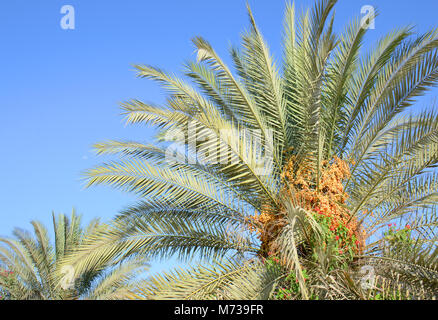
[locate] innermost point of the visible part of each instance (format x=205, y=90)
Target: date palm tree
x=279, y=179
x=33, y=266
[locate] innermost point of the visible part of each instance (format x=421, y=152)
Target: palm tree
x=280, y=180
x=34, y=268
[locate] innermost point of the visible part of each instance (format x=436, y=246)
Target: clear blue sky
x=59, y=89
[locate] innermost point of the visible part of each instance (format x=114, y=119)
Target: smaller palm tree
x=33, y=269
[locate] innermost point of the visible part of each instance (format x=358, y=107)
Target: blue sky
x=60, y=89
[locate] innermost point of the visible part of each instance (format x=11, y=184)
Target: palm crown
x=34, y=268
x=281, y=172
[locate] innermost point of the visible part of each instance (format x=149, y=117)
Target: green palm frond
x=226, y=279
